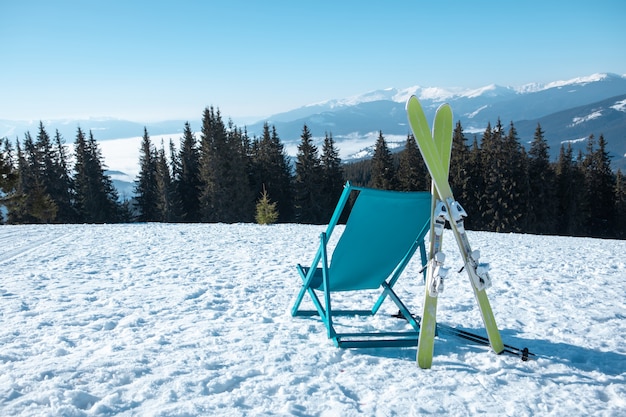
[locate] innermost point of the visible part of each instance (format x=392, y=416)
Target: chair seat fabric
x=381, y=229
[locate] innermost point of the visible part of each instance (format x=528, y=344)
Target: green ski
x=442, y=135
x=478, y=272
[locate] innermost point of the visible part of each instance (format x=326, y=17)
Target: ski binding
x=479, y=272
x=441, y=215
x=457, y=214
x=439, y=274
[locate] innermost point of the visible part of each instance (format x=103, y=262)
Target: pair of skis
x=435, y=149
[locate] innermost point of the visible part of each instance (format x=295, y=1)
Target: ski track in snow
x=194, y=320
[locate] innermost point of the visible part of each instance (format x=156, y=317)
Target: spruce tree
x=225, y=195
x=570, y=193
x=173, y=167
x=383, y=170
x=62, y=186
x=620, y=205
x=241, y=201
x=187, y=177
x=96, y=198
x=43, y=158
x=146, y=187
x=459, y=160
x=359, y=173
x=7, y=166
x=271, y=170
x=600, y=189
x=8, y=175
x=504, y=168
x=541, y=216
x=332, y=176
x=14, y=197
x=308, y=199
x=266, y=211
x=82, y=177
x=27, y=201
x=473, y=187
x=514, y=182
x=212, y=150
x=491, y=209
x=412, y=174
x=166, y=195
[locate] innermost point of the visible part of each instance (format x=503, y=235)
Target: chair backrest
x=381, y=230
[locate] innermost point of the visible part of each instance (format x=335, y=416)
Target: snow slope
x=193, y=320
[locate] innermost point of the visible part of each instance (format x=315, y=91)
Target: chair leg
x=326, y=286
x=403, y=309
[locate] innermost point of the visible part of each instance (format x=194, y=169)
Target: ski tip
x=411, y=99
x=444, y=110
x=443, y=106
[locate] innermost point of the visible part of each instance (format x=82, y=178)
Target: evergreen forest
x=223, y=175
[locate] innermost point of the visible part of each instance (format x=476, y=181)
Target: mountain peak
x=374, y=95
x=593, y=78
x=579, y=80
x=439, y=94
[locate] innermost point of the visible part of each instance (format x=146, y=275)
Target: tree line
x=37, y=184
x=224, y=175
x=505, y=188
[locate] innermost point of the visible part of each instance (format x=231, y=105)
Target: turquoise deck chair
x=383, y=231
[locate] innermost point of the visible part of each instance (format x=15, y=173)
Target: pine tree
x=308, y=199
x=15, y=194
x=187, y=177
x=514, y=182
x=62, y=186
x=359, y=173
x=459, y=160
x=43, y=157
x=383, y=170
x=570, y=194
x=226, y=194
x=46, y=189
x=271, y=169
x=473, y=187
x=541, y=217
x=492, y=165
x=332, y=176
x=266, y=211
x=96, y=198
x=174, y=172
x=504, y=167
x=241, y=200
x=281, y=173
x=212, y=150
x=620, y=205
x=412, y=174
x=600, y=189
x=35, y=205
x=146, y=187
x=8, y=175
x=165, y=203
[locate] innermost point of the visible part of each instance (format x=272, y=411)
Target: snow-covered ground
x=194, y=320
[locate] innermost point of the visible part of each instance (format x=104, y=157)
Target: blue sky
x=157, y=60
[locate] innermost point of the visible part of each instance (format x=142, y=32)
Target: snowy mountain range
x=568, y=110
